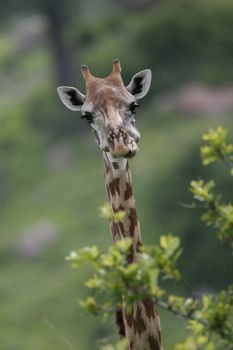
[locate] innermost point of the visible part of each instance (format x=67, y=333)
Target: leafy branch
x=217, y=213
x=114, y=281
x=217, y=149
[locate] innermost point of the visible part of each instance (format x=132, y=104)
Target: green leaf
x=94, y=283
x=130, y=271
x=169, y=243
x=89, y=304
x=106, y=211
x=107, y=261
x=124, y=244
x=119, y=216
x=217, y=148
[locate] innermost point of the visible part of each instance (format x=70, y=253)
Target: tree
x=56, y=13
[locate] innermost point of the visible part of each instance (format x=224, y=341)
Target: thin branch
x=228, y=162
x=186, y=285
x=59, y=333
x=225, y=159
x=189, y=316
x=190, y=206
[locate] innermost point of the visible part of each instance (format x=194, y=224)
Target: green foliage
x=114, y=282
x=213, y=319
x=180, y=40
x=166, y=256
x=217, y=213
x=187, y=39
x=121, y=345
x=217, y=148
x=117, y=281
x=106, y=213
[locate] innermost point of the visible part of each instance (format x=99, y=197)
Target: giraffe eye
x=88, y=116
x=133, y=107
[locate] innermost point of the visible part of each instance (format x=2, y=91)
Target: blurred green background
x=51, y=174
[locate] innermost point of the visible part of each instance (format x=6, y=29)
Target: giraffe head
x=109, y=107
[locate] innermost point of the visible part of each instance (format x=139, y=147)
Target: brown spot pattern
x=130, y=256
x=149, y=308
x=111, y=188
x=128, y=191
x=115, y=165
x=121, y=226
x=160, y=337
x=116, y=183
x=107, y=169
x=108, y=192
x=115, y=229
x=96, y=137
x=138, y=246
x=131, y=345
x=129, y=320
x=133, y=221
x=139, y=324
x=154, y=344
x=120, y=322
x=115, y=210
x=120, y=208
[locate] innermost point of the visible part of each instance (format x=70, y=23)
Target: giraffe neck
x=141, y=326
x=120, y=193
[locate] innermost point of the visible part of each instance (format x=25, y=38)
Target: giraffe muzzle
x=121, y=144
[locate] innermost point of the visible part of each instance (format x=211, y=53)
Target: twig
x=58, y=332
x=190, y=206
x=176, y=312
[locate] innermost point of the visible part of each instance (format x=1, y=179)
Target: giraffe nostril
x=115, y=134
x=110, y=136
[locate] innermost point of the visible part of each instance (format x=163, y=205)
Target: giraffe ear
x=71, y=97
x=140, y=83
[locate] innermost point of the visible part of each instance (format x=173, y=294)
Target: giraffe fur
x=109, y=106
x=139, y=325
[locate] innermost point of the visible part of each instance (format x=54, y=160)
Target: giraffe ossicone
x=110, y=107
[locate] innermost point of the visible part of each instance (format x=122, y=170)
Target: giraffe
x=109, y=108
